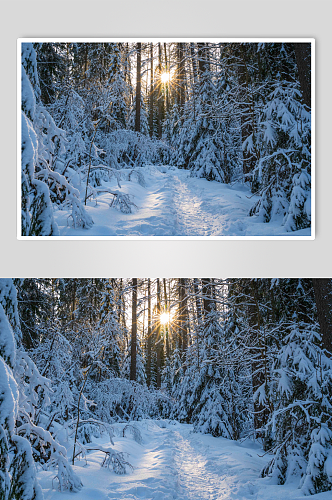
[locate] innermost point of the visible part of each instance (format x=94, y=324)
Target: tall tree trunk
x=160, y=95
x=203, y=61
x=158, y=337
x=128, y=72
x=183, y=316
x=122, y=305
x=151, y=92
x=138, y=89
x=148, y=361
x=168, y=324
x=195, y=74
x=303, y=62
x=194, y=62
x=207, y=296
x=250, y=158
x=167, y=84
x=199, y=318
x=323, y=297
x=73, y=301
x=181, y=76
x=258, y=365
x=133, y=354
x=86, y=48
x=198, y=300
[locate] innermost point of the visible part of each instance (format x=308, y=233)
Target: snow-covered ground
x=173, y=463
x=173, y=204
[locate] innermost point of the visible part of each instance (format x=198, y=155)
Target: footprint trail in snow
x=173, y=463
x=171, y=203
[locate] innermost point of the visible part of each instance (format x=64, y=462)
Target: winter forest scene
x=165, y=388
x=165, y=138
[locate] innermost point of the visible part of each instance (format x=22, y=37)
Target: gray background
x=174, y=18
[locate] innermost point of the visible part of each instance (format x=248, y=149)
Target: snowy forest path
x=177, y=464
x=172, y=463
x=171, y=203
x=195, y=480
x=195, y=216
x=188, y=206
x=210, y=472
x=176, y=204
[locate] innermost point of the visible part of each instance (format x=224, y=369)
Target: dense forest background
x=238, y=358
x=223, y=111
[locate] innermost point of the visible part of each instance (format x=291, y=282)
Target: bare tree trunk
x=207, y=297
x=259, y=364
x=160, y=97
x=138, y=89
x=128, y=73
x=85, y=64
x=73, y=301
x=194, y=62
x=303, y=61
x=151, y=92
x=199, y=318
x=198, y=301
x=166, y=85
x=122, y=305
x=195, y=74
x=133, y=354
x=203, y=63
x=250, y=158
x=183, y=316
x=148, y=361
x=323, y=296
x=168, y=324
x=181, y=76
x=158, y=339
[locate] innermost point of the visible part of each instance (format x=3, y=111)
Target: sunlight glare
x=164, y=318
x=165, y=77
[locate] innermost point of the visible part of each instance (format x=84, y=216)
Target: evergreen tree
x=51, y=70
x=37, y=214
x=302, y=416
x=112, y=331
x=204, y=151
x=140, y=364
x=285, y=129
x=17, y=467
x=212, y=399
x=42, y=143
x=119, y=91
x=144, y=124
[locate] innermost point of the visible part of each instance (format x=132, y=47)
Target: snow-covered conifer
x=302, y=415
x=211, y=399
x=283, y=170
x=17, y=468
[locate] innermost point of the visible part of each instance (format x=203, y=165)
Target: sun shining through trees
x=165, y=318
x=95, y=110
x=165, y=77
x=117, y=366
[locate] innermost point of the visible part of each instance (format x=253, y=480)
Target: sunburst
x=164, y=318
x=165, y=77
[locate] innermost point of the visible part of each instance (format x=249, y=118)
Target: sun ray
x=165, y=77
x=164, y=318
